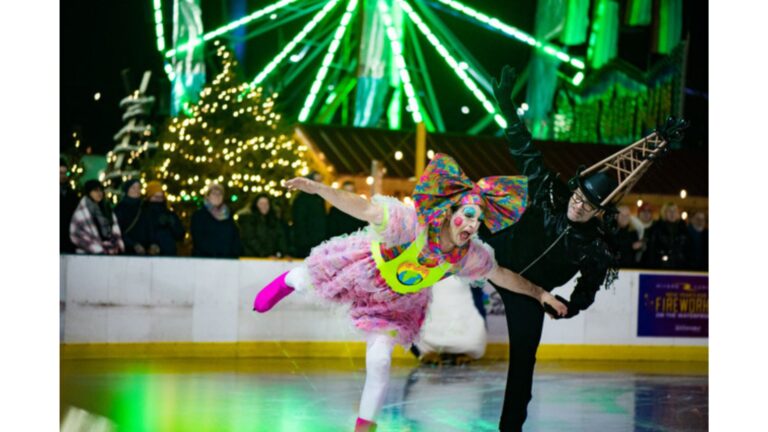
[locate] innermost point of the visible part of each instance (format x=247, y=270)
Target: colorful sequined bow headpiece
x=444, y=185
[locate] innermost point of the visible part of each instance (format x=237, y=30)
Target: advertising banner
x=673, y=305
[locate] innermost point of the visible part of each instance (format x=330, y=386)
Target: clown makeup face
x=464, y=223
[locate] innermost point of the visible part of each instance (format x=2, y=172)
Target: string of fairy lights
x=231, y=137
x=134, y=141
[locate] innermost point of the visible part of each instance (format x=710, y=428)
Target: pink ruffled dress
x=343, y=270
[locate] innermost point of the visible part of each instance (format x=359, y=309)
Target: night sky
x=99, y=39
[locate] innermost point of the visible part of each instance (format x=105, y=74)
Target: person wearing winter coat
x=128, y=212
x=214, y=233
x=262, y=232
x=698, y=250
x=160, y=227
x=94, y=228
x=627, y=239
x=668, y=241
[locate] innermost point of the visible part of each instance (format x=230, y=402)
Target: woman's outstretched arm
x=348, y=202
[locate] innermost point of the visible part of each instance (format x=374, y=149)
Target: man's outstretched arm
x=527, y=158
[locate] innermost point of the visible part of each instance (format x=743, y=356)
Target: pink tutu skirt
x=343, y=271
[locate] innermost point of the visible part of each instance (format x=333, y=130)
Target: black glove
x=572, y=311
x=673, y=129
x=502, y=91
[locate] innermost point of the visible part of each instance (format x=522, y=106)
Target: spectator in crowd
x=644, y=219
x=94, y=228
x=128, y=212
x=667, y=243
x=342, y=223
x=214, y=233
x=627, y=239
x=309, y=220
x=159, y=224
x=698, y=233
x=67, y=204
x=642, y=223
x=262, y=232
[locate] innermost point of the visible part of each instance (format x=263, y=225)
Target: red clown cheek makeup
x=457, y=221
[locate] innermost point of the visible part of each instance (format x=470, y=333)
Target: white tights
x=298, y=278
x=378, y=355
x=378, y=358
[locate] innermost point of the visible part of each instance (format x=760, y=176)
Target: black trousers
x=525, y=320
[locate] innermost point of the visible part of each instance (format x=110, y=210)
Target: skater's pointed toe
x=270, y=295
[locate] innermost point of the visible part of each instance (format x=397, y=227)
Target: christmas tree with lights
x=133, y=141
x=231, y=136
x=73, y=158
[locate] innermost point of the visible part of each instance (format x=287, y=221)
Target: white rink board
x=138, y=299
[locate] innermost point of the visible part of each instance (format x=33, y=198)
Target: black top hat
x=595, y=187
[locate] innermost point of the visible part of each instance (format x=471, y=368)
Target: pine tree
x=133, y=141
x=231, y=136
x=73, y=157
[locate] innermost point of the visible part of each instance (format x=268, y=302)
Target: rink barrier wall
x=117, y=307
x=315, y=349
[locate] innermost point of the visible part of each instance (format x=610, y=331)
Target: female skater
x=385, y=272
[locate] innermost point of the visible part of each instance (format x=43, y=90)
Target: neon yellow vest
x=403, y=273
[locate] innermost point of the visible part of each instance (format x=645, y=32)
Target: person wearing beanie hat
x=214, y=233
x=94, y=228
x=159, y=226
x=128, y=212
x=155, y=191
x=385, y=273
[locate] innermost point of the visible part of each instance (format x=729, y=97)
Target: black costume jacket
x=581, y=246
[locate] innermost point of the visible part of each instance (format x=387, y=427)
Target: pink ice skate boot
x=364, y=425
x=271, y=294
